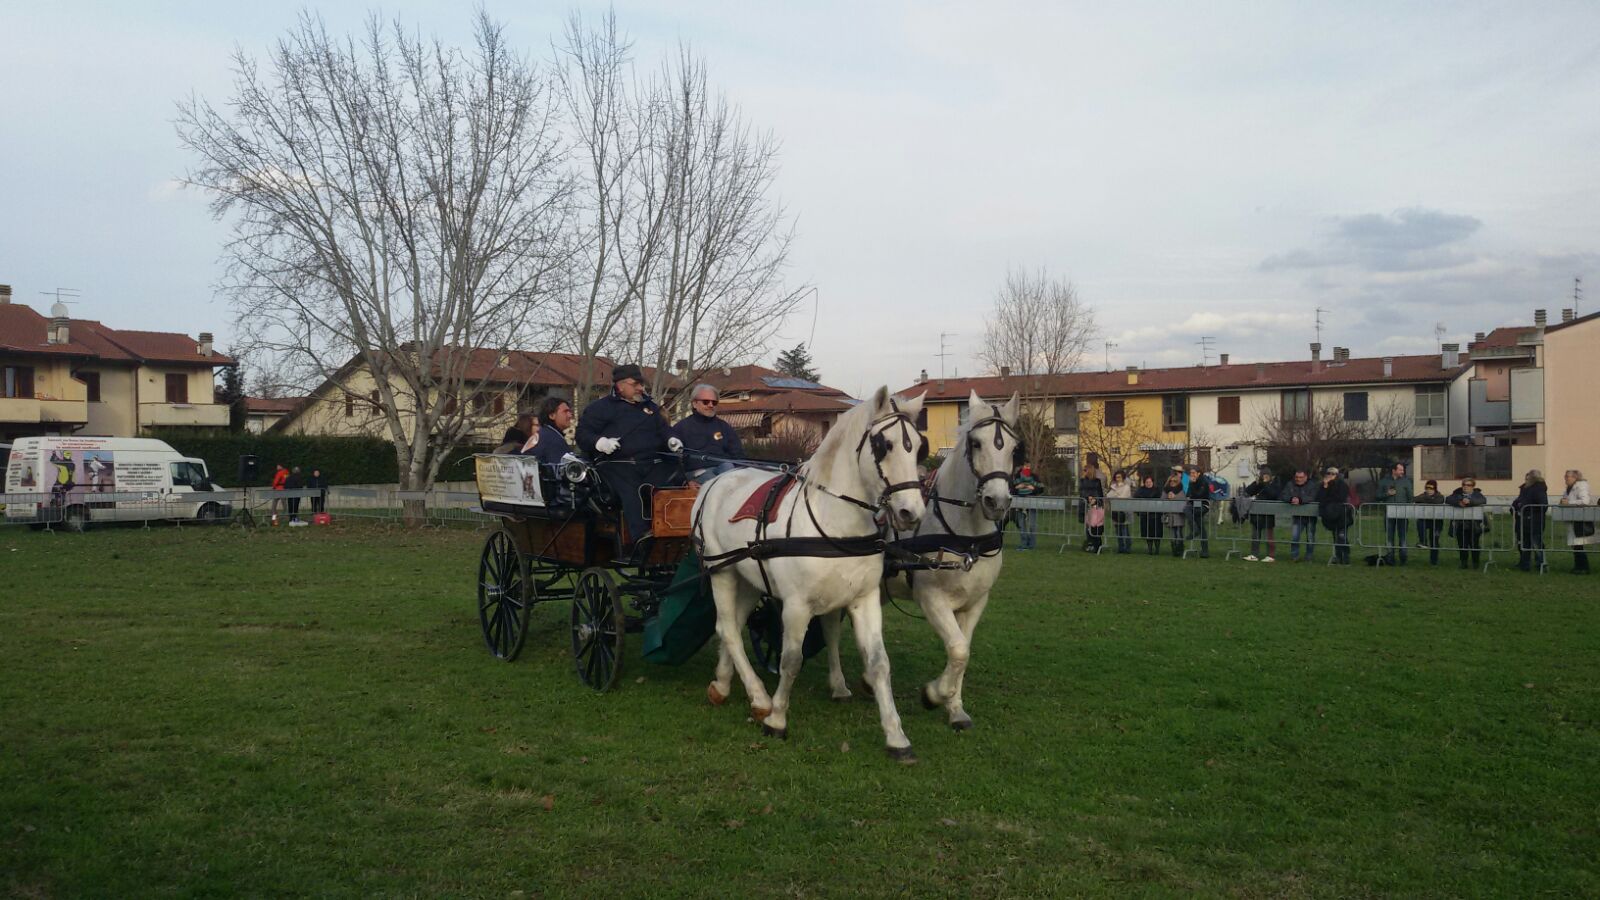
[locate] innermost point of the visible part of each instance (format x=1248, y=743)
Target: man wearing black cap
x=625, y=431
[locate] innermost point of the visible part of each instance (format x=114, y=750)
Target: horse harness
x=823, y=545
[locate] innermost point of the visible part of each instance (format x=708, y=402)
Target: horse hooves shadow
x=846, y=697
x=866, y=688
x=781, y=734
x=902, y=755
x=961, y=725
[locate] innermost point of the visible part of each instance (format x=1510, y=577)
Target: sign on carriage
x=509, y=479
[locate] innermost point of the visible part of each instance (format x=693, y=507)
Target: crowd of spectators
x=1328, y=502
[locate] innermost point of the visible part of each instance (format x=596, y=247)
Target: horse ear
x=1010, y=411
x=973, y=399
x=913, y=407
x=880, y=400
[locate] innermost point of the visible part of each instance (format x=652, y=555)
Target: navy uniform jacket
x=709, y=435
x=641, y=427
x=551, y=447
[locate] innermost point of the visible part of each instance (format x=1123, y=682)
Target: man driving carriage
x=625, y=432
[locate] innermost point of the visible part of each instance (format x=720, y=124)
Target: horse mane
x=839, y=443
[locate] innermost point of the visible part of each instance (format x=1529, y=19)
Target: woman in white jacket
x=1580, y=535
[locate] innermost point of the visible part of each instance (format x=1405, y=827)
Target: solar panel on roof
x=784, y=381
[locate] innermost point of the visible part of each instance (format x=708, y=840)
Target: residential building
x=763, y=403
x=261, y=413
x=61, y=375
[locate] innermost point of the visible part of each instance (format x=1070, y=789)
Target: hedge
x=343, y=460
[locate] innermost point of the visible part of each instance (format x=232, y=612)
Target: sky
x=1217, y=170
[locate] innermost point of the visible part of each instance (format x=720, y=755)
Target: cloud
x=1407, y=240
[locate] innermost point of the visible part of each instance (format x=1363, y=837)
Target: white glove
x=607, y=445
x=674, y=444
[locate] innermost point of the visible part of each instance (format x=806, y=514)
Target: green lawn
x=214, y=712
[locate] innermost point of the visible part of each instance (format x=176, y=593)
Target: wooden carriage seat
x=670, y=510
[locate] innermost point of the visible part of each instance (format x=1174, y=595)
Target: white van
x=78, y=480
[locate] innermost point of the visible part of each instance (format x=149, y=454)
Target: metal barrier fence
x=1540, y=531
x=243, y=507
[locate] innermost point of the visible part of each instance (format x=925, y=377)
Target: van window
x=188, y=474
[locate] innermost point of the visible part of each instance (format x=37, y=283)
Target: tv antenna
x=944, y=350
x=1109, y=346
x=64, y=295
x=1320, y=311
x=1439, y=331
x=1577, y=295
x=1205, y=349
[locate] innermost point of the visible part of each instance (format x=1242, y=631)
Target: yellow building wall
x=116, y=414
x=944, y=420
x=1571, y=415
x=325, y=414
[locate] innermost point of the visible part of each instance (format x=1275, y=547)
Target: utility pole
x=1205, y=350
x=943, y=349
x=1109, y=346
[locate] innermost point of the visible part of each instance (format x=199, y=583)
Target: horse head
x=992, y=451
x=888, y=456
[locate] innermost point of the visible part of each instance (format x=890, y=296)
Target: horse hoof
x=927, y=700
x=781, y=734
x=716, y=697
x=961, y=725
x=845, y=697
x=760, y=714
x=902, y=755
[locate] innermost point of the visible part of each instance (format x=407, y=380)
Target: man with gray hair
x=709, y=441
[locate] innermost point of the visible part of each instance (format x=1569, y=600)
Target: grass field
x=211, y=712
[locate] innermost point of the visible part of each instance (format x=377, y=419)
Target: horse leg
x=731, y=597
x=866, y=616
x=796, y=618
x=831, y=623
x=944, y=690
x=967, y=618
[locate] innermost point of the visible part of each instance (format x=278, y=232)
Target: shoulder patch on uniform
x=716, y=435
x=648, y=411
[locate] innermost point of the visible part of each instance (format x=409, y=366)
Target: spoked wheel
x=505, y=596
x=766, y=634
x=597, y=629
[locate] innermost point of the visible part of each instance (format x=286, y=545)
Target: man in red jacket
x=280, y=479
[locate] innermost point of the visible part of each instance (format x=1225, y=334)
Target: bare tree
x=1325, y=437
x=1038, y=326
x=682, y=247
x=1117, y=447
x=395, y=202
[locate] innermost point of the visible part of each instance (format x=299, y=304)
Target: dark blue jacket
x=709, y=435
x=641, y=427
x=551, y=447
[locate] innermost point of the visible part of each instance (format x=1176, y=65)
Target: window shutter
x=177, y=389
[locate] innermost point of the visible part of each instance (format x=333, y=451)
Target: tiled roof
x=271, y=404
x=1589, y=318
x=1505, y=337
x=756, y=379
x=788, y=401
x=1236, y=376
x=24, y=330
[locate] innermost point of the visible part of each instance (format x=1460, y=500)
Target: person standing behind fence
x=1580, y=535
x=1173, y=490
x=1149, y=522
x=280, y=478
x=1302, y=493
x=1264, y=488
x=1121, y=490
x=1199, y=506
x=1528, y=511
x=1395, y=487
x=1025, y=485
x=1333, y=507
x=1430, y=530
x=1091, y=491
x=319, y=483
x=294, y=483
x=1468, y=534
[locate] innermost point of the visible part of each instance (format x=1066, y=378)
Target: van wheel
x=210, y=514
x=75, y=519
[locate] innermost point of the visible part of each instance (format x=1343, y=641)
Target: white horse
x=867, y=463
x=970, y=499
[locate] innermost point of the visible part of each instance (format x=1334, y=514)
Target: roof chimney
x=5, y=294
x=1261, y=371
x=1539, y=318
x=1133, y=374
x=1224, y=359
x=1388, y=367
x=1478, y=338
x=1316, y=357
x=58, y=324
x=922, y=377
x=1567, y=315
x=1005, y=371
x=205, y=345
x=1449, y=356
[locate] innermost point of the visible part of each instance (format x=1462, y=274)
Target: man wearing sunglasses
x=626, y=433
x=709, y=441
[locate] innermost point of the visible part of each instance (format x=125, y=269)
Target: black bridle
x=1001, y=430
x=879, y=439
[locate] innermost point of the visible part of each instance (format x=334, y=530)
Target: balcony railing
x=64, y=411
x=203, y=414
x=19, y=409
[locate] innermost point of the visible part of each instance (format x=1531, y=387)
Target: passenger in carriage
x=708, y=440
x=625, y=432
x=517, y=434
x=549, y=440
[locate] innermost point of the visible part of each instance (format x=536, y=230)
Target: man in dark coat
x=1267, y=489
x=1468, y=532
x=626, y=433
x=548, y=444
x=1333, y=505
x=1199, y=505
x=1528, y=511
x=708, y=440
x=1302, y=492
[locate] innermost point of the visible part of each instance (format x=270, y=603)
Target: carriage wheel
x=597, y=629
x=766, y=640
x=505, y=596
